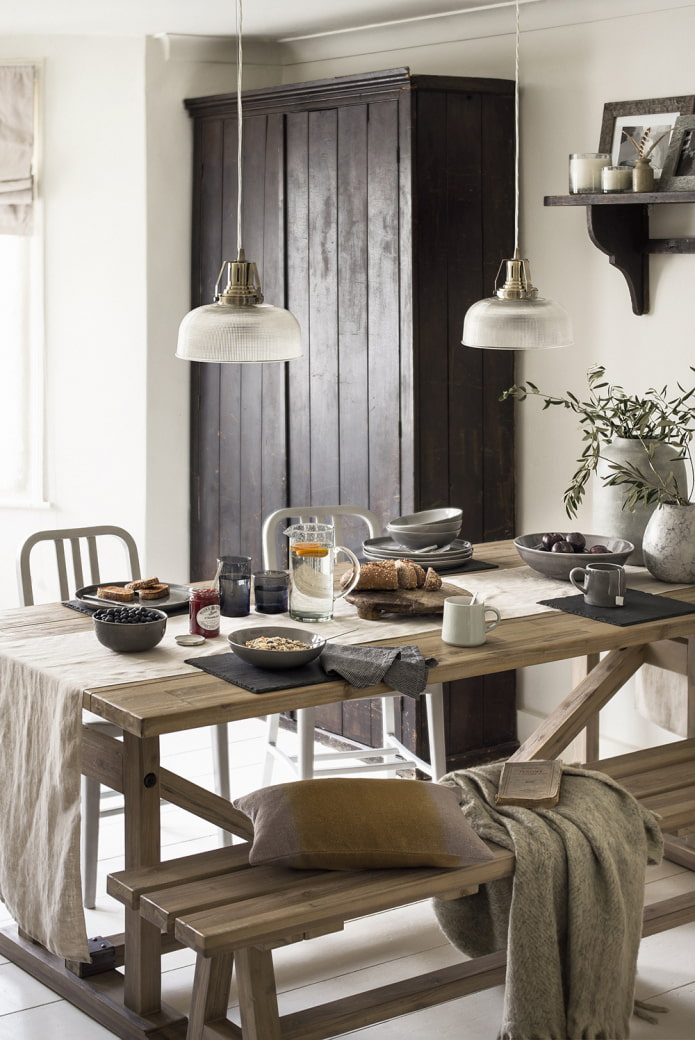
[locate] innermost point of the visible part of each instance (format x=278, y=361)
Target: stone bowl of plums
x=129, y=630
x=554, y=554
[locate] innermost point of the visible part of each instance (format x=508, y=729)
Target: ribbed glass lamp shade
x=224, y=332
x=530, y=324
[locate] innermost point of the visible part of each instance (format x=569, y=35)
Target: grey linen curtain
x=16, y=148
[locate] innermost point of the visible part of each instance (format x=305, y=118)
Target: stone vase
x=643, y=176
x=669, y=543
x=609, y=517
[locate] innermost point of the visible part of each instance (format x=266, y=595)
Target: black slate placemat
x=638, y=607
x=258, y=680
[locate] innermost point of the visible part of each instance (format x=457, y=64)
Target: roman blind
x=16, y=149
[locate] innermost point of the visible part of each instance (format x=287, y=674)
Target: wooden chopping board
x=373, y=603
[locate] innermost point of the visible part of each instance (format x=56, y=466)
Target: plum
x=562, y=547
x=548, y=540
x=576, y=540
x=599, y=549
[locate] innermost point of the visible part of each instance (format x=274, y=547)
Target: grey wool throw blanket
x=571, y=916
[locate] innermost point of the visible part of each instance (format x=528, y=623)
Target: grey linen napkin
x=403, y=668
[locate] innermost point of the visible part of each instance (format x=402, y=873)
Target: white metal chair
x=83, y=544
x=393, y=754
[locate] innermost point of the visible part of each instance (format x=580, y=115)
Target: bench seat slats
x=635, y=763
x=677, y=809
x=129, y=885
x=163, y=906
x=335, y=895
x=660, y=781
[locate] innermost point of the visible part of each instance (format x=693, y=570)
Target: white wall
x=92, y=181
x=116, y=187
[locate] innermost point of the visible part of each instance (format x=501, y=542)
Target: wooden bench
x=230, y=913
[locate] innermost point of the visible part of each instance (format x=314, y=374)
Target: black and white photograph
x=679, y=169
x=644, y=123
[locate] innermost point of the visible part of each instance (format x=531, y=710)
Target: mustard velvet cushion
x=353, y=824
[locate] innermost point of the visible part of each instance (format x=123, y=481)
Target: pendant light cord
x=516, y=136
x=239, y=64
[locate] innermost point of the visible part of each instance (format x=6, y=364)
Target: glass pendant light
x=239, y=326
x=516, y=317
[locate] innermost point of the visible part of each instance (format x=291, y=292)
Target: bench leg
x=211, y=982
x=258, y=1001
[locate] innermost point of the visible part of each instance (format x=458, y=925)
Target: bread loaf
x=377, y=574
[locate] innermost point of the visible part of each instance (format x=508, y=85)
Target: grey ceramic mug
x=603, y=584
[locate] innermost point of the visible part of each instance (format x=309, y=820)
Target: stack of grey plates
x=451, y=558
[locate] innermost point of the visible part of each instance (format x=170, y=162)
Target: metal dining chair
x=76, y=556
x=394, y=756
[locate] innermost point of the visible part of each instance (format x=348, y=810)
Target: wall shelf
x=618, y=225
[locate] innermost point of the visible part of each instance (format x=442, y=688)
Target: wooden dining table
x=129, y=1003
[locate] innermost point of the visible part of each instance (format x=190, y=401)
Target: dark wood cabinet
x=377, y=208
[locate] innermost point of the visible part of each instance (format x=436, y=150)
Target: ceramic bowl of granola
x=276, y=647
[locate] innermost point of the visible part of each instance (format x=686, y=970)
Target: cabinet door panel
x=323, y=387
x=386, y=422
x=273, y=418
x=498, y=475
x=208, y=180
x=298, y=375
x=353, y=303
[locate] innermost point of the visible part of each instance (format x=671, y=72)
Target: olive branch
x=610, y=412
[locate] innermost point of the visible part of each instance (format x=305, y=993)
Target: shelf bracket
x=622, y=232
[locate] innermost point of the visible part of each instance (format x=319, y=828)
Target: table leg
x=142, y=848
x=690, y=673
x=584, y=748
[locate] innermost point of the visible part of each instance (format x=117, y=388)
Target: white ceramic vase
x=609, y=517
x=669, y=543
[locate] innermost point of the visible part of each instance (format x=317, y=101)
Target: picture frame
x=658, y=114
x=678, y=173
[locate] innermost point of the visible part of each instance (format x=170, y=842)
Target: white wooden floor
x=370, y=952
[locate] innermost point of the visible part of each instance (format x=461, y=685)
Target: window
x=21, y=292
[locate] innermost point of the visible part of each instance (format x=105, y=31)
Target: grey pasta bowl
x=559, y=565
x=276, y=659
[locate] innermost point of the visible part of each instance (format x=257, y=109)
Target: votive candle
x=616, y=178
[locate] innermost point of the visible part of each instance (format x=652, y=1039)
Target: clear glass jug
x=312, y=557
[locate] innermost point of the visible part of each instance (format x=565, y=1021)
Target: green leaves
x=609, y=413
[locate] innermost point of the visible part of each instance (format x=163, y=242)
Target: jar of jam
x=204, y=612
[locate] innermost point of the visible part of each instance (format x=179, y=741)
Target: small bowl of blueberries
x=554, y=554
x=128, y=630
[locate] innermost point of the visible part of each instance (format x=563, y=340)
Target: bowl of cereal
x=276, y=647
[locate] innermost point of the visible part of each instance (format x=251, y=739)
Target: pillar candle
x=585, y=172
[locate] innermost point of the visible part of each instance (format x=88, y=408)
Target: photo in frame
x=679, y=168
x=658, y=115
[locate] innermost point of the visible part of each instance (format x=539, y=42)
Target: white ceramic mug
x=464, y=622
x=603, y=584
